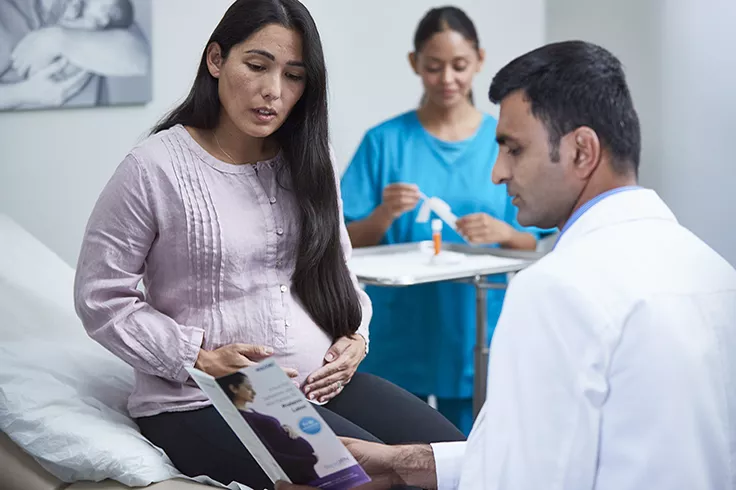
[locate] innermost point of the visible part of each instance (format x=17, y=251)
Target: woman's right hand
x=400, y=198
x=233, y=357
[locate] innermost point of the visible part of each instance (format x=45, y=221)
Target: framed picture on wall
x=74, y=53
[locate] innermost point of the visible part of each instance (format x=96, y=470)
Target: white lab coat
x=613, y=366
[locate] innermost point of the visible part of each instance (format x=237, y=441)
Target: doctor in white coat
x=613, y=366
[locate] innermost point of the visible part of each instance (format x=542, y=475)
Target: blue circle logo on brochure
x=310, y=425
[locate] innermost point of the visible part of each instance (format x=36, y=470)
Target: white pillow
x=32, y=275
x=65, y=404
x=62, y=396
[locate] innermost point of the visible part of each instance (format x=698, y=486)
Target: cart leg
x=481, y=347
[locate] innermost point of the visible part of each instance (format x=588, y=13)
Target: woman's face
x=447, y=64
x=243, y=392
x=261, y=80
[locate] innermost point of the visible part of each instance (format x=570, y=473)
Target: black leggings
x=199, y=442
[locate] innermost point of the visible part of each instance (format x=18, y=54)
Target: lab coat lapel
x=634, y=205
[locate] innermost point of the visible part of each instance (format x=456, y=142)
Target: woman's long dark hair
x=321, y=279
x=442, y=19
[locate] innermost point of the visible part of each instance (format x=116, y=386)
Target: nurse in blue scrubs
x=422, y=337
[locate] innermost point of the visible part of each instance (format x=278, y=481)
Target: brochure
x=281, y=428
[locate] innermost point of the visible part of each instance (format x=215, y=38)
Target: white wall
x=53, y=164
x=681, y=64
x=630, y=29
x=698, y=175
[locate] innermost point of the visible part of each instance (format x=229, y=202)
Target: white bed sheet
x=62, y=396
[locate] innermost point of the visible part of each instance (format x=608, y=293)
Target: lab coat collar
x=634, y=205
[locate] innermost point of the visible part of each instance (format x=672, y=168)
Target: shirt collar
x=585, y=207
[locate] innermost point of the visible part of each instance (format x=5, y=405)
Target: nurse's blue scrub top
x=422, y=337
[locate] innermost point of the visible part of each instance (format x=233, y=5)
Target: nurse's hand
x=400, y=198
x=341, y=362
x=481, y=228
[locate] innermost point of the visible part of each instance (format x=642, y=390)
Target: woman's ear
x=214, y=59
x=413, y=62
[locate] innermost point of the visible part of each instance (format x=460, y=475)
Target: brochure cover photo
x=281, y=428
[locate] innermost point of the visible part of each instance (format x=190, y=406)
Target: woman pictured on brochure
x=291, y=451
x=230, y=215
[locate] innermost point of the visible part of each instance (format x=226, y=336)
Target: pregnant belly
x=305, y=352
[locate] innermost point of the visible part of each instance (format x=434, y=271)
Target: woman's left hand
x=481, y=228
x=341, y=362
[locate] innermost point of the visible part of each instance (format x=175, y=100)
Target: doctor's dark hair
x=441, y=19
x=321, y=279
x=572, y=84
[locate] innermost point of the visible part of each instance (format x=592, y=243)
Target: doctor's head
x=567, y=130
x=447, y=56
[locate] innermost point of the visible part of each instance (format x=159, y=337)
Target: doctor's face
x=545, y=191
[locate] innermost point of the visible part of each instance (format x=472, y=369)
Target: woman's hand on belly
x=341, y=362
x=230, y=358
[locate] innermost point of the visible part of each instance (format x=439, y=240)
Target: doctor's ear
x=413, y=62
x=587, y=150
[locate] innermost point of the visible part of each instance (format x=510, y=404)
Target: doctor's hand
x=232, y=357
x=376, y=459
x=399, y=198
x=411, y=465
x=341, y=362
x=481, y=228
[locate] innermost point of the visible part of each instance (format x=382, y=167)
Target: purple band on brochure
x=343, y=479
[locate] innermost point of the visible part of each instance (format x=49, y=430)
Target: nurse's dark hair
x=441, y=19
x=235, y=379
x=321, y=279
x=572, y=84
